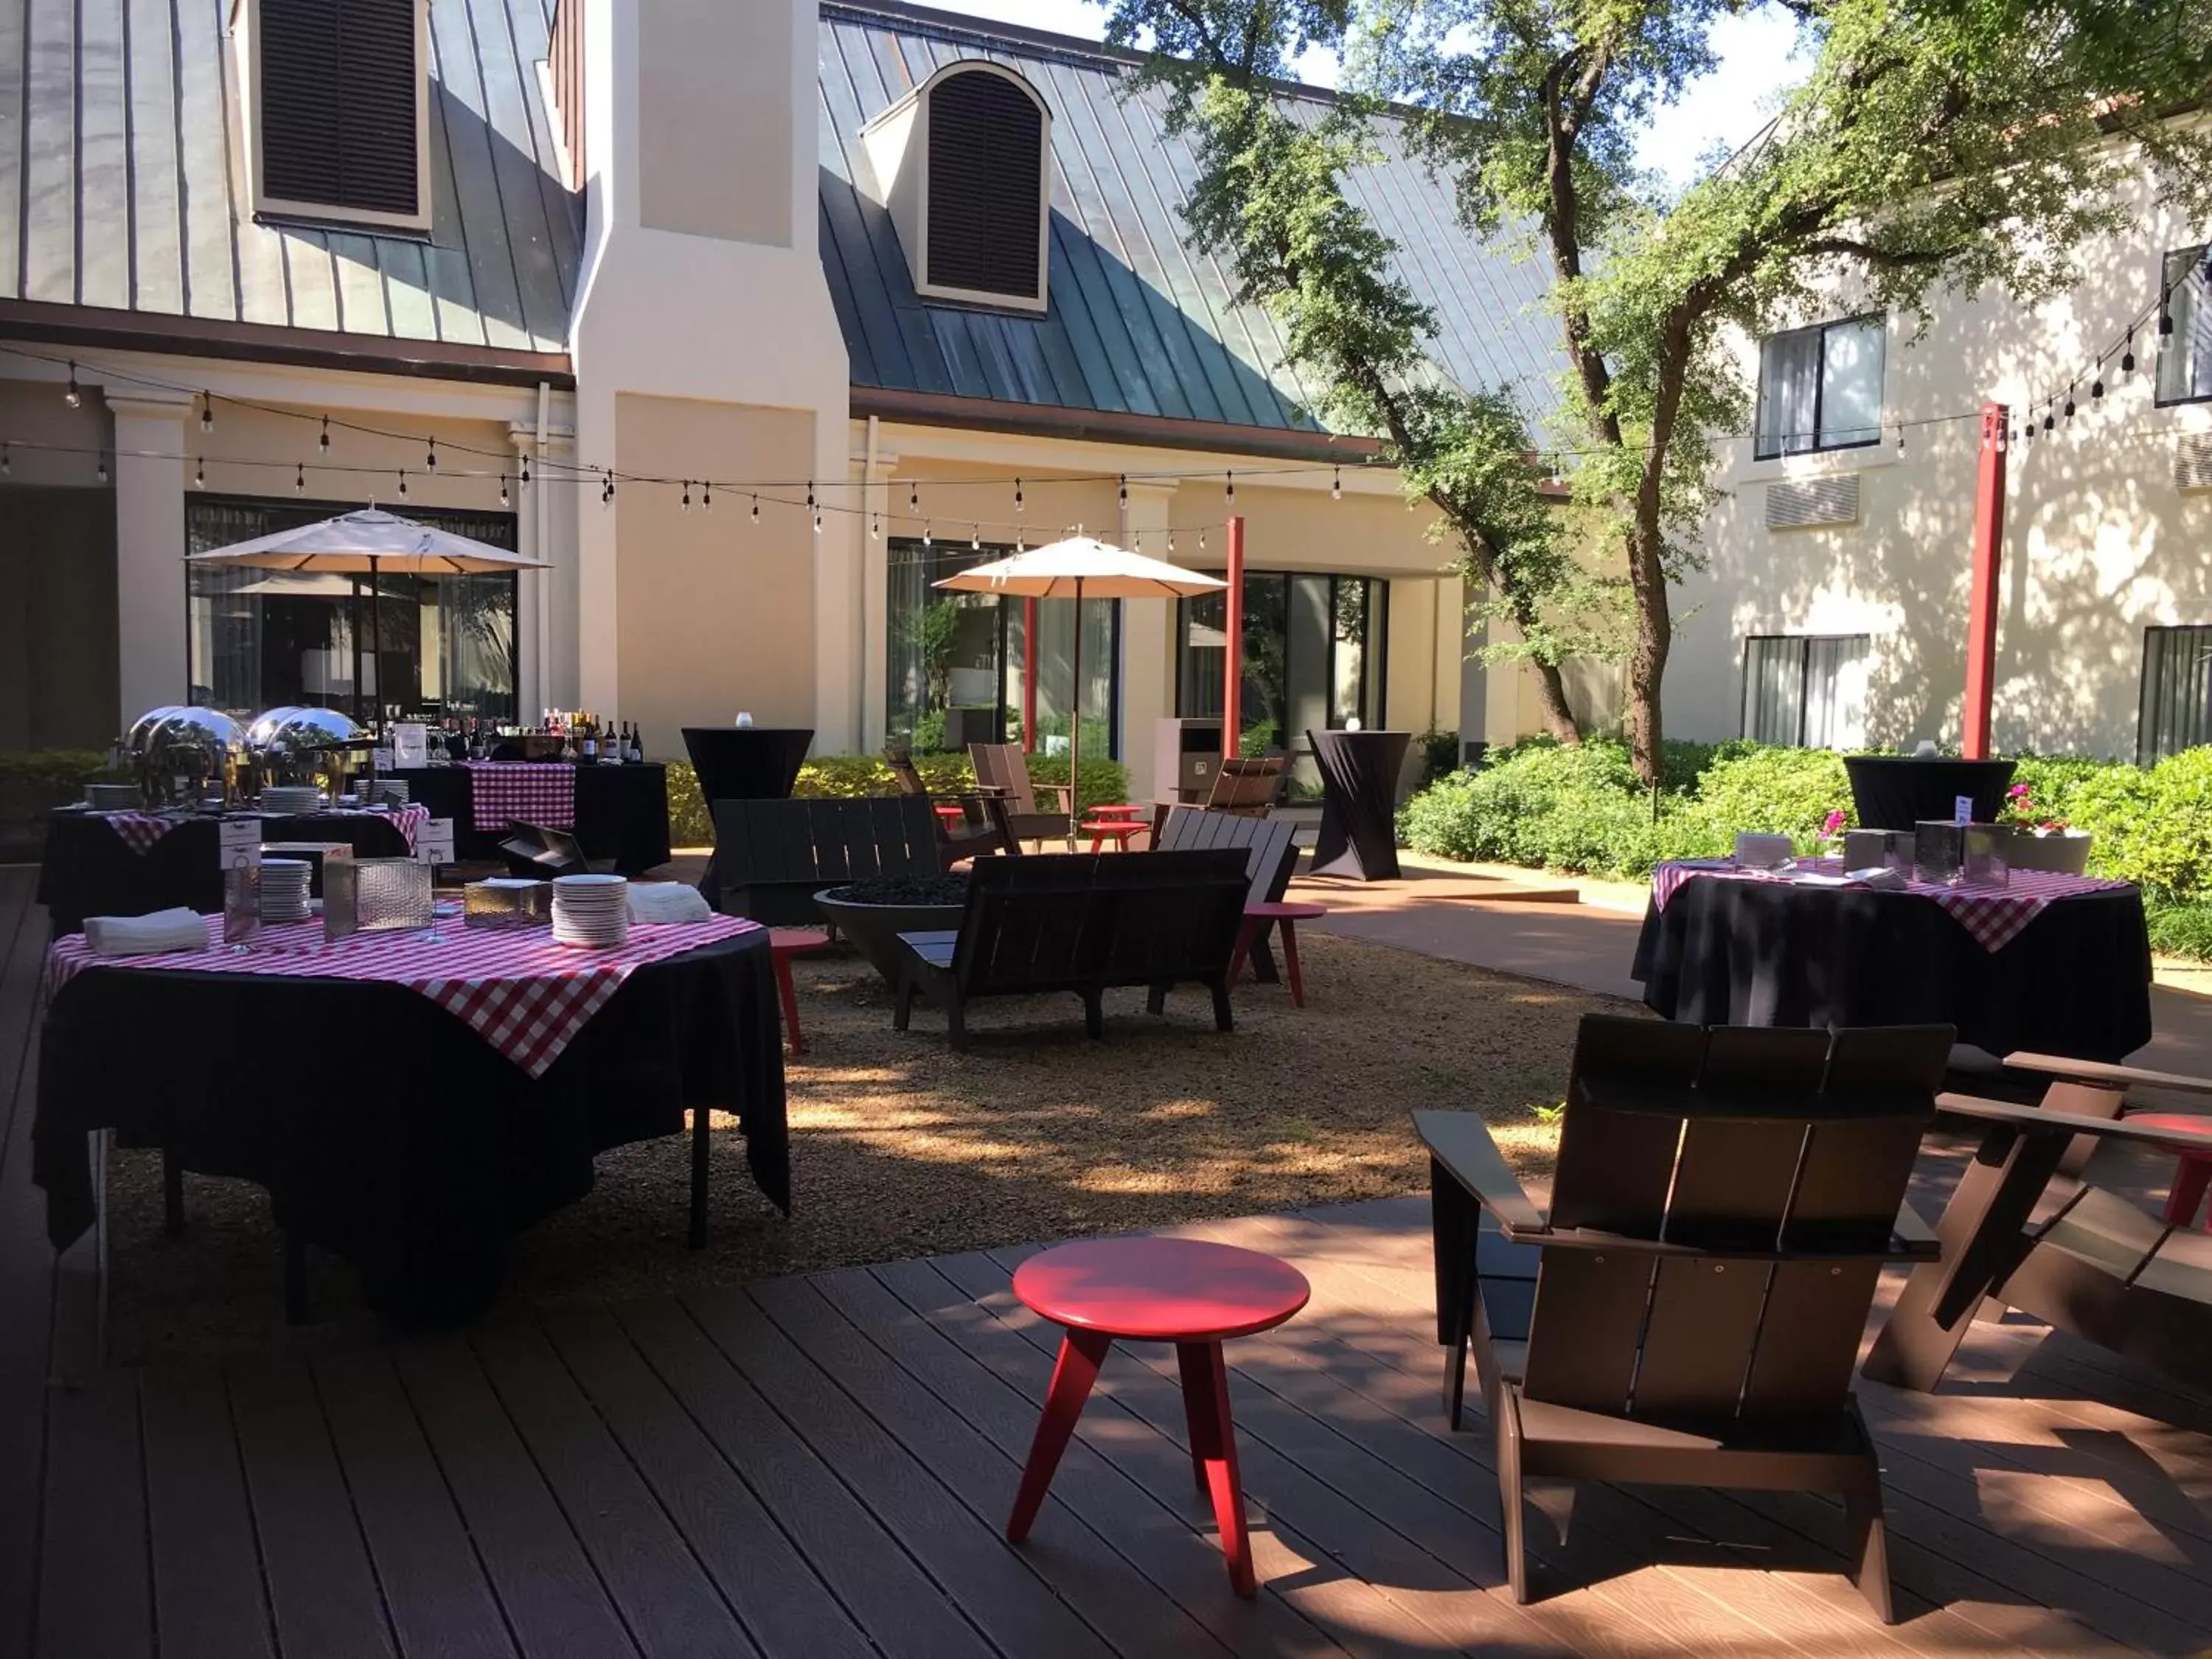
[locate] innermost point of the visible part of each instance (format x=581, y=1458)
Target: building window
x=1806, y=689
x=337, y=115
x=2184, y=356
x=259, y=638
x=2175, y=712
x=956, y=660
x=1821, y=388
x=1313, y=655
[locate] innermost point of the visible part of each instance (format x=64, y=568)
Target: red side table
x=1287, y=918
x=783, y=944
x=2193, y=1167
x=1117, y=831
x=1193, y=1294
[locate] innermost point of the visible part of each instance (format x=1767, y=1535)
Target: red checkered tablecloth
x=409, y=820
x=522, y=993
x=533, y=792
x=139, y=830
x=1993, y=915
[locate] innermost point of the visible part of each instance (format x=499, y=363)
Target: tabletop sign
x=1962, y=809
x=410, y=745
x=379, y=760
x=238, y=850
x=434, y=841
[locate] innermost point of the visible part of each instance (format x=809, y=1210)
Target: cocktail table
x=1186, y=1292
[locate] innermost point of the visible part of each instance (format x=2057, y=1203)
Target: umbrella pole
x=1075, y=719
x=356, y=648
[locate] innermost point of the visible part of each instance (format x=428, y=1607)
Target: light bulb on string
x=756, y=509
x=1201, y=541
x=914, y=497
x=1900, y=441
x=686, y=502
x=430, y=460
x=300, y=481
x=504, y=497
x=2069, y=400
x=207, y=412
x=1336, y=484
x=199, y=474
x=2049, y=419
x=6, y=466
x=2128, y=361
x=2097, y=386
x=705, y=495
x=1125, y=488
x=526, y=471
x=73, y=398
x=876, y=528
x=974, y=538
x=927, y=539
x=810, y=497
x=2164, y=312
x=817, y=520
x=1227, y=490
x=403, y=484
x=1170, y=541
x=1017, y=495
x=325, y=440
x=102, y=472
x=1021, y=542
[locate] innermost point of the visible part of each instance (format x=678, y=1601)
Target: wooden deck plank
x=552, y=1596
x=666, y=1597
x=783, y=1606
x=208, y=1600
x=867, y=1567
x=321, y=1586
x=26, y=1274
x=1154, y=1533
x=94, y=1596
x=435, y=1584
x=1016, y=1609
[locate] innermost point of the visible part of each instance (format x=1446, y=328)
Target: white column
x=598, y=675
x=1147, y=664
x=838, y=582
x=149, y=549
x=875, y=606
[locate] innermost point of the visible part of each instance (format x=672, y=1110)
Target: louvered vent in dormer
x=963, y=163
x=1799, y=503
x=2192, y=460
x=336, y=109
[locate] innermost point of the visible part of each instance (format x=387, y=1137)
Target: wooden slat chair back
x=982, y=828
x=773, y=856
x=1003, y=768
x=1247, y=784
x=1271, y=859
x=1083, y=923
x=1724, y=1204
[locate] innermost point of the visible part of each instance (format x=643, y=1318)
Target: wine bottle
x=637, y=746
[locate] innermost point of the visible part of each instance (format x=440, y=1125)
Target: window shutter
x=338, y=88
x=985, y=185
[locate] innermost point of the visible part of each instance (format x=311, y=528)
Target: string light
x=914, y=496
x=1900, y=441
x=1017, y=495
x=1336, y=484
x=925, y=533
x=6, y=465
x=2097, y=386
x=207, y=412
x=1228, y=492
x=325, y=438
x=1125, y=488
x=705, y=496
x=974, y=538
x=526, y=469
x=73, y=398
x=756, y=509
x=1201, y=541
x=817, y=520
x=876, y=528
x=103, y=466
x=2165, y=312
x=403, y=484
x=1170, y=541
x=2128, y=363
x=687, y=495
x=810, y=499
x=2069, y=400
x=199, y=474
x=504, y=497
x=300, y=481
x=430, y=460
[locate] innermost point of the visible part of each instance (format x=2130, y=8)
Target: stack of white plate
x=592, y=911
x=291, y=799
x=284, y=888
x=393, y=790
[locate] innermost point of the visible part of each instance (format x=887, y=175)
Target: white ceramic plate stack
x=291, y=799
x=284, y=888
x=591, y=911
x=391, y=791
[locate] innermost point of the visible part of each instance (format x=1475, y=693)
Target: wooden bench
x=1082, y=923
x=773, y=856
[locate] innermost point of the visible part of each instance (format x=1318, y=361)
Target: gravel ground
x=902, y=1148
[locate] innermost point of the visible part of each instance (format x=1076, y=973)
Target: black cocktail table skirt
x=622, y=812
x=384, y=1129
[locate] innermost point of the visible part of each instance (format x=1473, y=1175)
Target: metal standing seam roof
x=1138, y=323
x=121, y=186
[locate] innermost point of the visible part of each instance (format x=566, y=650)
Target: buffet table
x=618, y=812
x=2054, y=962
x=411, y=1101
x=130, y=864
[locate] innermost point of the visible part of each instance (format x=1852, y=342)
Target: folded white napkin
x=656, y=901
x=139, y=936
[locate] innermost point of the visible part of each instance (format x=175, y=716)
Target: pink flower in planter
x=1834, y=824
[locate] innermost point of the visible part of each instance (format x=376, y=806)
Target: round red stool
x=1193, y=1294
x=1287, y=918
x=2192, y=1147
x=783, y=944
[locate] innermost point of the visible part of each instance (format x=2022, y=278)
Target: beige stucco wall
x=2099, y=542
x=715, y=615
x=715, y=118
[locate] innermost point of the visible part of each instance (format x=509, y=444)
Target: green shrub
x=846, y=777
x=64, y=768
x=2181, y=927
x=2152, y=826
x=1784, y=790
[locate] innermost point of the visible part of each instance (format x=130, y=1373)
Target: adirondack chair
x=978, y=828
x=1002, y=767
x=1248, y=785
x=1690, y=1311
x=1271, y=859
x=1083, y=923
x=775, y=856
x=2096, y=1266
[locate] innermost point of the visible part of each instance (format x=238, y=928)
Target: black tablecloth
x=89, y=871
x=384, y=1128
x=1895, y=792
x=2076, y=981
x=622, y=812
x=1358, y=803
x=746, y=762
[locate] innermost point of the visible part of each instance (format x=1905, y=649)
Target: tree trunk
x=1655, y=637
x=1552, y=695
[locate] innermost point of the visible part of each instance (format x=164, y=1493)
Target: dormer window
x=337, y=102
x=960, y=163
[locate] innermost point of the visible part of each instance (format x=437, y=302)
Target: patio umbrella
x=368, y=541
x=1082, y=567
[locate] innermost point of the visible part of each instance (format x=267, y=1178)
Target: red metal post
x=1989, y=564
x=1232, y=655
x=1029, y=673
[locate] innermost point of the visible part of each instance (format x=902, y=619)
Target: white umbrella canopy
x=367, y=543
x=1082, y=567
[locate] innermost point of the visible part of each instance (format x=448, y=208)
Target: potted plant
x=872, y=913
x=2041, y=841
